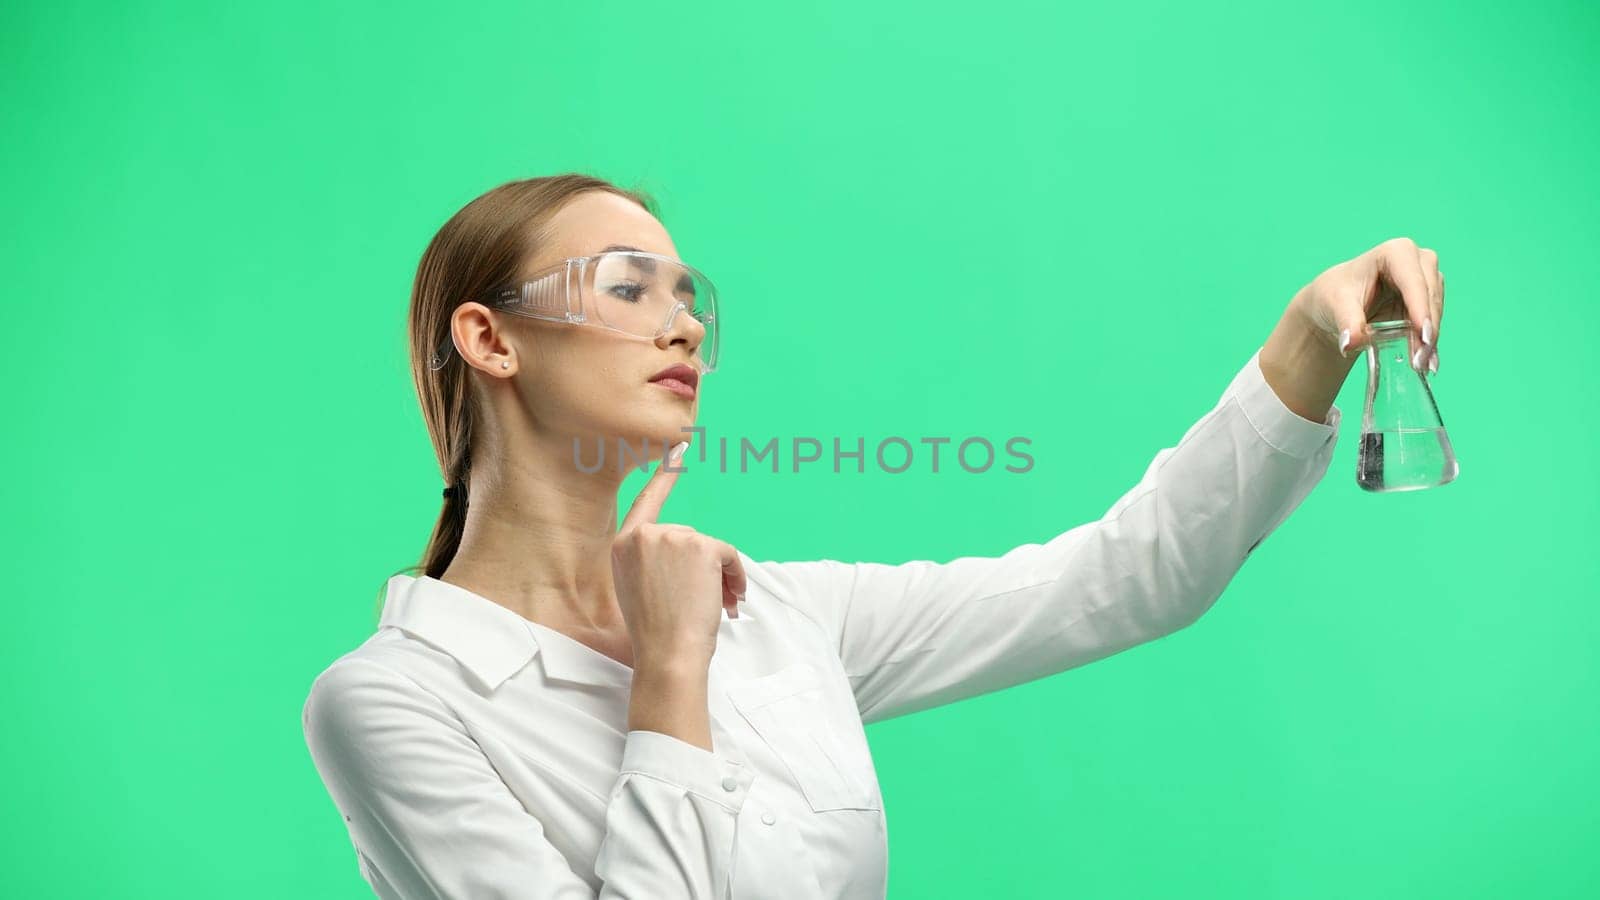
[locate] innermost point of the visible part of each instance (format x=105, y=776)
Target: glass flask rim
x=1389, y=330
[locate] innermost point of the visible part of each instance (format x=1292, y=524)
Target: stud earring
x=504, y=364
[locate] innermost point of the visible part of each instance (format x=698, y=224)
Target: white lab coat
x=474, y=754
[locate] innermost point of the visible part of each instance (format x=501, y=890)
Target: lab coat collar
x=492, y=642
x=488, y=640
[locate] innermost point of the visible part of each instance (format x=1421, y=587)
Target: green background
x=1069, y=223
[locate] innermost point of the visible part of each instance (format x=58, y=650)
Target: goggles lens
x=645, y=295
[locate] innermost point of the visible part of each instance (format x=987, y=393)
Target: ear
x=481, y=341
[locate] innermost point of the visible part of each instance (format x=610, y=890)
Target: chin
x=657, y=429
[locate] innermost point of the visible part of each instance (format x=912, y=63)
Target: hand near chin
x=672, y=581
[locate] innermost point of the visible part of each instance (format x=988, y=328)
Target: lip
x=678, y=378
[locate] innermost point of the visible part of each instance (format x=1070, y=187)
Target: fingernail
x=1433, y=363
x=1344, y=341
x=1427, y=332
x=677, y=451
x=1416, y=361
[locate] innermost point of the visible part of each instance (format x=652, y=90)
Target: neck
x=538, y=533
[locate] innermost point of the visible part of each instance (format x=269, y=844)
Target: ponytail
x=446, y=539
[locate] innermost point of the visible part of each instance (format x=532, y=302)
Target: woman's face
x=591, y=383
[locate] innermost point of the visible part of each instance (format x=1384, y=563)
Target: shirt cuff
x=1278, y=425
x=684, y=765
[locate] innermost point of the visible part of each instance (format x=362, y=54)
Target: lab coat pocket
x=789, y=710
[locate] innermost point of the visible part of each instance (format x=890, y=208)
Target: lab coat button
x=729, y=784
x=768, y=818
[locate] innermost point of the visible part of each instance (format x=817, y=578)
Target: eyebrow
x=685, y=284
x=645, y=263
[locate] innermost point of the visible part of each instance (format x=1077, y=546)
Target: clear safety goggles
x=628, y=291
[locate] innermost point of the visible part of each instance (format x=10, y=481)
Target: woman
x=562, y=707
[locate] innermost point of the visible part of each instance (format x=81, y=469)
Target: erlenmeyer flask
x=1403, y=443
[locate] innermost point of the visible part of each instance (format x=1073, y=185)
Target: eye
x=628, y=290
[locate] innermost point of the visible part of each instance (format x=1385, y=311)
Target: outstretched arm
x=922, y=634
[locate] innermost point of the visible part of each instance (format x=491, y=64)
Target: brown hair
x=485, y=244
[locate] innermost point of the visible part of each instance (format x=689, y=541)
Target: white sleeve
x=921, y=634
x=423, y=803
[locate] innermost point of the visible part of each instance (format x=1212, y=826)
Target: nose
x=682, y=327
